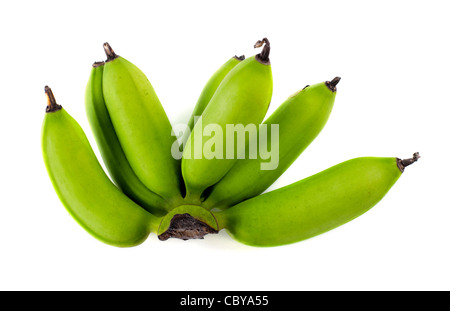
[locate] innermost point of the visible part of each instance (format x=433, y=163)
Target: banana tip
x=407, y=162
x=333, y=83
x=52, y=106
x=110, y=54
x=263, y=57
x=98, y=64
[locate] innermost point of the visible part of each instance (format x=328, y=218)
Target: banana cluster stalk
x=147, y=189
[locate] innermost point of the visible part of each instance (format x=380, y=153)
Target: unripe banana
x=111, y=150
x=84, y=188
x=209, y=89
x=242, y=98
x=300, y=119
x=313, y=205
x=142, y=126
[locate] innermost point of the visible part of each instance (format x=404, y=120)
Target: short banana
x=84, y=188
x=300, y=119
x=208, y=91
x=142, y=126
x=242, y=98
x=111, y=150
x=313, y=205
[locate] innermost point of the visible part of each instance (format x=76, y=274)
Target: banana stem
x=332, y=84
x=263, y=57
x=110, y=54
x=221, y=220
x=154, y=222
x=52, y=106
x=406, y=162
x=193, y=198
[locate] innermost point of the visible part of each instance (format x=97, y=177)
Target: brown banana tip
x=332, y=84
x=52, y=106
x=242, y=57
x=263, y=57
x=110, y=54
x=407, y=162
x=98, y=64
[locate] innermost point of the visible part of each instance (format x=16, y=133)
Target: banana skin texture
x=142, y=126
x=243, y=97
x=209, y=89
x=300, y=119
x=313, y=205
x=84, y=188
x=111, y=150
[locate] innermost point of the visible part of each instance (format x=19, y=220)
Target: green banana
x=208, y=91
x=313, y=205
x=300, y=119
x=84, y=188
x=142, y=126
x=111, y=150
x=242, y=98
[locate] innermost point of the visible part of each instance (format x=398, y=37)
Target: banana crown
x=209, y=182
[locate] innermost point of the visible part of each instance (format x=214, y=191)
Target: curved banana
x=299, y=119
x=242, y=98
x=111, y=150
x=142, y=126
x=208, y=91
x=313, y=205
x=84, y=188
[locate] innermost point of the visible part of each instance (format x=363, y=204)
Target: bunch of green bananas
x=153, y=191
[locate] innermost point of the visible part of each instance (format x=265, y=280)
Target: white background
x=393, y=100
